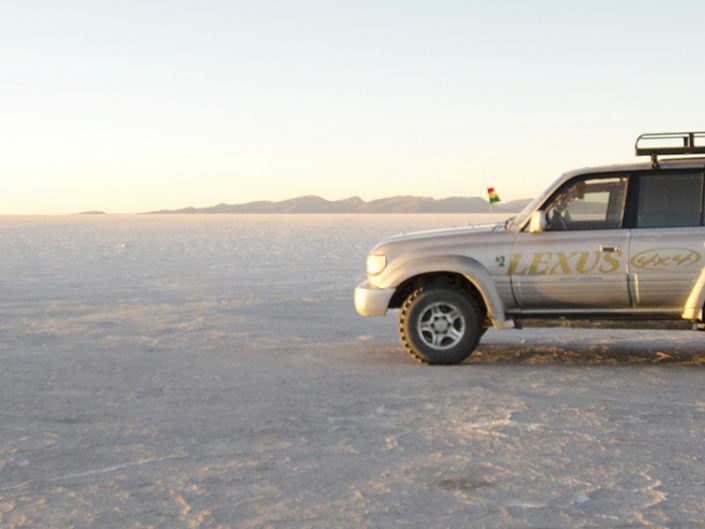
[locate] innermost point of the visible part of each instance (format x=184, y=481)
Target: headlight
x=375, y=264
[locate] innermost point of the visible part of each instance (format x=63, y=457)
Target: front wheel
x=440, y=325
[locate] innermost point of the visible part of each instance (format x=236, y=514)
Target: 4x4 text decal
x=664, y=258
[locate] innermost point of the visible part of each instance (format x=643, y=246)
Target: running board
x=617, y=323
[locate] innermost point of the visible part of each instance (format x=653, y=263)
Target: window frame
x=593, y=176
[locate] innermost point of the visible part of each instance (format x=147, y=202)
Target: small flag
x=494, y=197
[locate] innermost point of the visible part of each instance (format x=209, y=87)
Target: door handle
x=610, y=248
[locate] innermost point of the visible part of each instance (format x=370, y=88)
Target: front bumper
x=370, y=301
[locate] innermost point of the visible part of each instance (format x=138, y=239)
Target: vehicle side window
x=670, y=200
x=588, y=204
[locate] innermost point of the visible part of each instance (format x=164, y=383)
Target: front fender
x=468, y=267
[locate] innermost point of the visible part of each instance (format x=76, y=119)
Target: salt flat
x=210, y=372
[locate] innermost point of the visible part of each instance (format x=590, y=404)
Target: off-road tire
x=455, y=341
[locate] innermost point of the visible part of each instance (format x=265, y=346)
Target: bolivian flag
x=494, y=197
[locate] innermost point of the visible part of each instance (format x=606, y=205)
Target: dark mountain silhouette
x=401, y=204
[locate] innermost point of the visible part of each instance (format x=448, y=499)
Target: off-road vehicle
x=615, y=246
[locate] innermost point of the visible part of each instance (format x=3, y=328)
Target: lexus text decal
x=565, y=263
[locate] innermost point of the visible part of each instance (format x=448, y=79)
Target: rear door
x=667, y=245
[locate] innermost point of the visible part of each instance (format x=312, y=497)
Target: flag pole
x=491, y=195
x=484, y=181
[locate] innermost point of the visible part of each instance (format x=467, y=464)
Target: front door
x=580, y=260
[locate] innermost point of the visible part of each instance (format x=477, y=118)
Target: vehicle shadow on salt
x=590, y=347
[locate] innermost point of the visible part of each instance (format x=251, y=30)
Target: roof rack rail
x=669, y=144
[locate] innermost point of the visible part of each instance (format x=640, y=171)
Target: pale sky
x=130, y=106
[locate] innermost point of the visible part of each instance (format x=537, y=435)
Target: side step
x=618, y=323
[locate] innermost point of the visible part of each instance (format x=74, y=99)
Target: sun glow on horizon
x=133, y=108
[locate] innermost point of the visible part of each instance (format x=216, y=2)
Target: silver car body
x=521, y=274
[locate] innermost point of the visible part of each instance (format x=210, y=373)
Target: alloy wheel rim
x=441, y=326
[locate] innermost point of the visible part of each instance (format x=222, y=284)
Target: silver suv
x=615, y=246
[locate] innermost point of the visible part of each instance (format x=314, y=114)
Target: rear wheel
x=439, y=324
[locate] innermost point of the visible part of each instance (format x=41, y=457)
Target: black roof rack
x=669, y=144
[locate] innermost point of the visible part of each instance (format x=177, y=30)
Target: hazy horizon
x=138, y=107
x=501, y=207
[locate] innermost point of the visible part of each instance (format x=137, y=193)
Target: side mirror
x=537, y=224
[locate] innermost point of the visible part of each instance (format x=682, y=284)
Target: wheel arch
x=461, y=271
x=426, y=278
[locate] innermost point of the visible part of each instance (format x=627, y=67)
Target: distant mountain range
x=401, y=204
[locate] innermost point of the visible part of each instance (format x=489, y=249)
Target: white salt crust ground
x=210, y=372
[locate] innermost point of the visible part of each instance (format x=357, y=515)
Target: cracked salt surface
x=210, y=372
